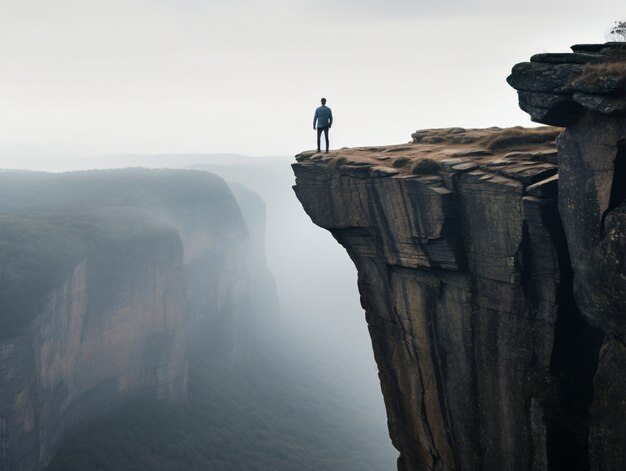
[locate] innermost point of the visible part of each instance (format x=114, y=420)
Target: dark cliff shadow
x=573, y=364
x=618, y=185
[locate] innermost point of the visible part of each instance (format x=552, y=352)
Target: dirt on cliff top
x=429, y=147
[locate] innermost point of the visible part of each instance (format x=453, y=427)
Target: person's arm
x=314, y=119
x=330, y=122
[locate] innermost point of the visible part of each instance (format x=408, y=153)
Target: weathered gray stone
x=610, y=83
x=383, y=171
x=547, y=188
x=567, y=58
x=553, y=109
x=465, y=167
x=604, y=49
x=592, y=207
x=541, y=156
x=592, y=154
x=545, y=78
x=601, y=104
x=557, y=89
x=462, y=339
x=608, y=412
x=542, y=100
x=497, y=317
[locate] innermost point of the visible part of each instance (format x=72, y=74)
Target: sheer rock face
x=592, y=194
x=114, y=328
x=460, y=274
x=559, y=89
x=495, y=289
x=117, y=325
x=93, y=346
x=492, y=352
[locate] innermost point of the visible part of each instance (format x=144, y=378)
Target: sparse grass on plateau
x=425, y=166
x=593, y=72
x=519, y=136
x=449, y=135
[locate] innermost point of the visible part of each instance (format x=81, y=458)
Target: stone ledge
x=557, y=89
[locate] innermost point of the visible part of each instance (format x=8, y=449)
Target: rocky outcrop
x=444, y=232
x=592, y=195
x=117, y=266
x=493, y=287
x=559, y=89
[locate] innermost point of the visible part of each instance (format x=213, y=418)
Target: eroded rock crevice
x=573, y=365
x=492, y=270
x=441, y=258
x=618, y=185
x=592, y=182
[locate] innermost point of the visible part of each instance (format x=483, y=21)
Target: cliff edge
x=491, y=267
x=590, y=84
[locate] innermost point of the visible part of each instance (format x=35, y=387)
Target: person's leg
x=326, y=137
x=319, y=134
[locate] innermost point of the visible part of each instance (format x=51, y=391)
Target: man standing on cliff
x=322, y=121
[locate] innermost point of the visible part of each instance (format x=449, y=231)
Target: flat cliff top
x=527, y=155
x=495, y=305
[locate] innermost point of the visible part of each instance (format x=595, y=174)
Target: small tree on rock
x=617, y=32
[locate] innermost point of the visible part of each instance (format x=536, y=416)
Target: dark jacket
x=323, y=117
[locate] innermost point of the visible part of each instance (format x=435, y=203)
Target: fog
x=89, y=78
x=320, y=321
x=270, y=387
x=203, y=85
x=316, y=280
x=318, y=295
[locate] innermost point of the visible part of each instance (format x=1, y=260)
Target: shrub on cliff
x=425, y=166
x=611, y=74
x=401, y=162
x=617, y=32
x=519, y=136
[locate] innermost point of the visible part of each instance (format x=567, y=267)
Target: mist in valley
x=280, y=377
x=167, y=307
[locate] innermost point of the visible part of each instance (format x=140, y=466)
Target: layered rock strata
x=562, y=88
x=591, y=202
x=102, y=274
x=464, y=272
x=457, y=245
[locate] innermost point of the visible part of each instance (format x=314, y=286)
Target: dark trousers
x=319, y=134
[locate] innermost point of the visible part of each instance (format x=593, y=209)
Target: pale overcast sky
x=83, y=78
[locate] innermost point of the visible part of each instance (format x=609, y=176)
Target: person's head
x=323, y=101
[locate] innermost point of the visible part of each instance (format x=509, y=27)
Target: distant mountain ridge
x=103, y=272
x=171, y=160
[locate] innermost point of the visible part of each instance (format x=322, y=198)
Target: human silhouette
x=322, y=121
